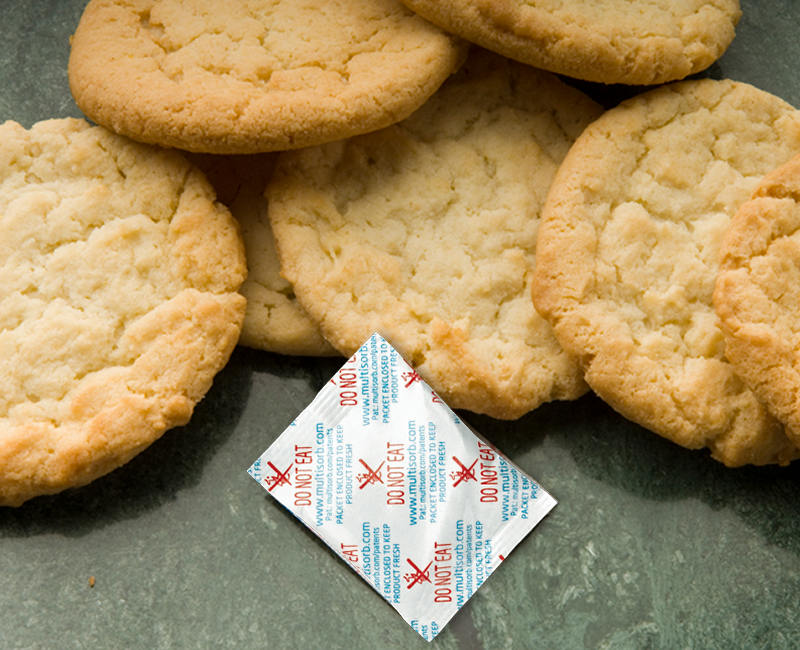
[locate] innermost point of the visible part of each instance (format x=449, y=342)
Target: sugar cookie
x=627, y=258
x=758, y=292
x=425, y=233
x=615, y=41
x=118, y=301
x=247, y=76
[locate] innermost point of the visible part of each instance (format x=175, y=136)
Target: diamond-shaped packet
x=387, y=475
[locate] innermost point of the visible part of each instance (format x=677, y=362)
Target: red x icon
x=372, y=475
x=465, y=474
x=417, y=576
x=280, y=478
x=410, y=377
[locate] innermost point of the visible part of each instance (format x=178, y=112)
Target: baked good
x=118, y=301
x=615, y=41
x=758, y=292
x=274, y=321
x=236, y=76
x=641, y=204
x=425, y=233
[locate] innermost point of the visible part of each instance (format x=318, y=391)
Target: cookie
x=274, y=321
x=118, y=301
x=617, y=41
x=425, y=233
x=641, y=204
x=248, y=76
x=758, y=292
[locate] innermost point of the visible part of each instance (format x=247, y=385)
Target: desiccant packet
x=387, y=475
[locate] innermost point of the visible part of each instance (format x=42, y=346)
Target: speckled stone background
x=651, y=546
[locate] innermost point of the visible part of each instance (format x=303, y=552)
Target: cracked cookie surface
x=641, y=204
x=425, y=233
x=758, y=291
x=615, y=41
x=118, y=301
x=247, y=76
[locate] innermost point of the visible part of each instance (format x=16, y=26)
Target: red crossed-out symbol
x=417, y=576
x=410, y=377
x=280, y=478
x=465, y=473
x=372, y=475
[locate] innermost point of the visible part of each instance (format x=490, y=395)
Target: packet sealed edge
x=405, y=492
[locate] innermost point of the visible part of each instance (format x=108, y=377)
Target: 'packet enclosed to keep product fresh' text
x=394, y=482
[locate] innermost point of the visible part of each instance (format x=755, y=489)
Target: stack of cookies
x=296, y=176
